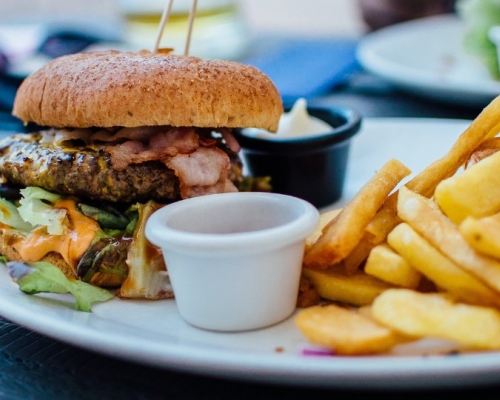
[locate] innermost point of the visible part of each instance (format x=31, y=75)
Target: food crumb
x=308, y=295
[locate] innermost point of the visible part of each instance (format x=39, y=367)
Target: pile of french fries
x=414, y=259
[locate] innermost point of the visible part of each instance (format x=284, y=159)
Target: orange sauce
x=71, y=245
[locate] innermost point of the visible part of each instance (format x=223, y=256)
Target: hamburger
x=120, y=135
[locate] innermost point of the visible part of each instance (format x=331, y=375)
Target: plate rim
x=388, y=372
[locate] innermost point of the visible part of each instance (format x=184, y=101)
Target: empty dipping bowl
x=234, y=259
x=310, y=167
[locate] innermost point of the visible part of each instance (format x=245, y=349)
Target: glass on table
x=217, y=29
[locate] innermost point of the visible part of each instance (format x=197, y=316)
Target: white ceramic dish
x=154, y=333
x=234, y=259
x=426, y=57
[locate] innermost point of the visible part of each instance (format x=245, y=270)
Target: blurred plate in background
x=426, y=57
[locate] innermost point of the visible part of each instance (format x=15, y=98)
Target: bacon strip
x=202, y=168
x=140, y=133
x=160, y=146
x=63, y=136
x=203, y=172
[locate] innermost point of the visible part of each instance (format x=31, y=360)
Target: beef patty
x=81, y=171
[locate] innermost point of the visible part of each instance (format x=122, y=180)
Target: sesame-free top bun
x=112, y=88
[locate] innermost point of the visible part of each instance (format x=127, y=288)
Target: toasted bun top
x=113, y=88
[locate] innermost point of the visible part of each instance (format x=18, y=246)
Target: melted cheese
x=71, y=245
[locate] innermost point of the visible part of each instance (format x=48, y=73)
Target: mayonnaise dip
x=296, y=123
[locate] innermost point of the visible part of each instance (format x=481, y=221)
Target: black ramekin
x=310, y=167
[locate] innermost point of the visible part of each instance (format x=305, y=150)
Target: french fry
x=356, y=289
x=485, y=125
x=387, y=265
x=344, y=232
x=324, y=219
x=433, y=315
x=425, y=217
x=483, y=234
x=485, y=149
x=452, y=272
x=475, y=192
x=357, y=256
x=439, y=269
x=346, y=331
x=384, y=221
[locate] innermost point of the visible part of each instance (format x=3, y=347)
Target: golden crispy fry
x=483, y=234
x=344, y=232
x=485, y=149
x=387, y=265
x=324, y=219
x=357, y=256
x=366, y=310
x=384, y=221
x=357, y=289
x=474, y=192
x=426, y=218
x=433, y=315
x=440, y=269
x=428, y=248
x=485, y=125
x=346, y=331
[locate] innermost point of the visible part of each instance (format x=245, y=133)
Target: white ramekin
x=234, y=259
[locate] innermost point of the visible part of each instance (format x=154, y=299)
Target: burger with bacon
x=123, y=134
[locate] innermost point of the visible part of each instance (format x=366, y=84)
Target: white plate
x=153, y=333
x=426, y=57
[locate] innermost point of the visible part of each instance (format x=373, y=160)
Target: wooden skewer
x=192, y=14
x=164, y=18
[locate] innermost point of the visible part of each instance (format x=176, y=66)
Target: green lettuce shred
x=43, y=277
x=9, y=215
x=36, y=207
x=479, y=17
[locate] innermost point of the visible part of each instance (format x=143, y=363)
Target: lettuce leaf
x=479, y=16
x=43, y=277
x=36, y=208
x=9, y=215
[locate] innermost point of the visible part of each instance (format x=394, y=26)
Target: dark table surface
x=33, y=366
